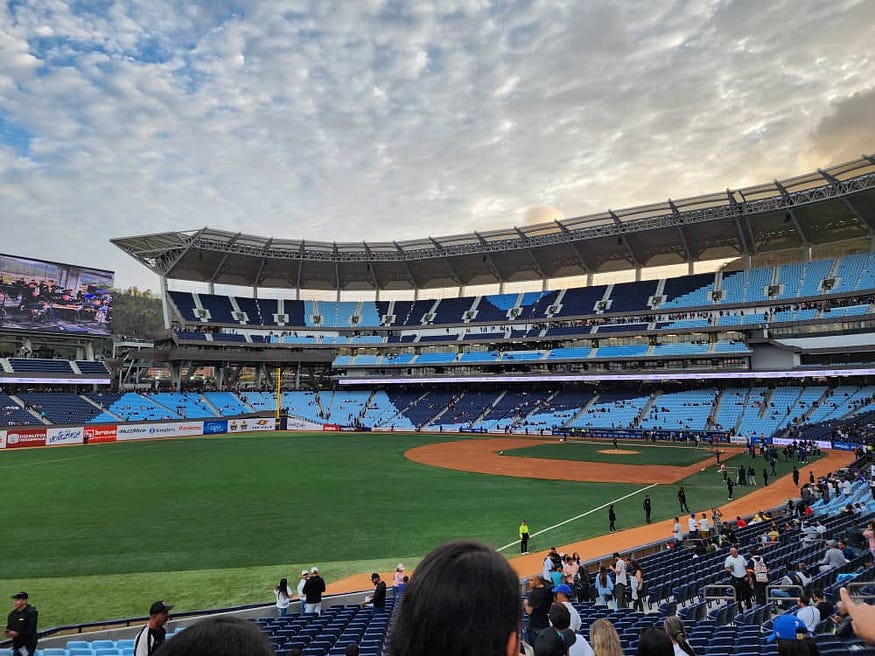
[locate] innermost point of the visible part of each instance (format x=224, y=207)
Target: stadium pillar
x=638, y=274
x=164, y=302
x=543, y=284
x=690, y=268
x=211, y=287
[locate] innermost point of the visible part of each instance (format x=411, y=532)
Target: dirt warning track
x=482, y=456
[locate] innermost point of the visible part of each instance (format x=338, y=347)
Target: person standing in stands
x=524, y=537
x=378, y=599
x=21, y=626
x=737, y=567
x=283, y=597
x=621, y=580
x=304, y=575
x=152, y=635
x=314, y=588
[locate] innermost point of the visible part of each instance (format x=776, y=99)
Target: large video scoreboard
x=37, y=295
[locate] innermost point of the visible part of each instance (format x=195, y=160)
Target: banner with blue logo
x=215, y=426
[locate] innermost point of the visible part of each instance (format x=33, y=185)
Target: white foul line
x=588, y=512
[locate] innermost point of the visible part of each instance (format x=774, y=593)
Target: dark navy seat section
x=61, y=408
x=219, y=307
x=468, y=408
x=675, y=287
x=632, y=296
x=424, y=410
x=452, y=310
x=12, y=414
x=92, y=367
x=184, y=302
x=581, y=300
x=494, y=308
x=573, y=331
x=537, y=309
x=250, y=307
x=40, y=365
x=267, y=308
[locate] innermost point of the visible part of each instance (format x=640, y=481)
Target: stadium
x=559, y=312
x=448, y=400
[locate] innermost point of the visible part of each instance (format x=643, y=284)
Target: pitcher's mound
x=619, y=452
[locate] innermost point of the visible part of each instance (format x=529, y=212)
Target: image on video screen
x=51, y=297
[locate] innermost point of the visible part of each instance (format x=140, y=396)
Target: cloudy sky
x=386, y=119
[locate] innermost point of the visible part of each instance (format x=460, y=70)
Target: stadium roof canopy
x=831, y=205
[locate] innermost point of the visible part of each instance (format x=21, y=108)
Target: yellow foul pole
x=279, y=395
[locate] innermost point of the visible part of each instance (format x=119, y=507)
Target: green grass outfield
x=99, y=532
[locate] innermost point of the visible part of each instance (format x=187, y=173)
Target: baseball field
x=99, y=532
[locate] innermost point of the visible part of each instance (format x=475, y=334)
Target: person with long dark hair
x=464, y=600
x=654, y=642
x=674, y=627
x=283, y=597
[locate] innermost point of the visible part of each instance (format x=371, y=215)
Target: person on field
x=682, y=499
x=21, y=626
x=153, y=634
x=524, y=537
x=648, y=508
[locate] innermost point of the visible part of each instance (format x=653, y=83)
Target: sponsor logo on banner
x=845, y=446
x=330, y=427
x=64, y=436
x=293, y=423
x=24, y=437
x=95, y=434
x=738, y=439
x=174, y=429
x=249, y=425
x=2, y=439
x=214, y=427
x=783, y=441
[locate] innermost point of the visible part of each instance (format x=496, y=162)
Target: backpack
x=760, y=570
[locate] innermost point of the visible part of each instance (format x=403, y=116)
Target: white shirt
x=736, y=565
x=691, y=523
x=576, y=622
x=301, y=588
x=580, y=647
x=810, y=616
x=679, y=651
x=703, y=525
x=620, y=570
x=676, y=531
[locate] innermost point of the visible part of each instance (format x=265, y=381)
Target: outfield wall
x=15, y=437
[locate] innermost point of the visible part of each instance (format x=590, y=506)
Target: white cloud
x=392, y=120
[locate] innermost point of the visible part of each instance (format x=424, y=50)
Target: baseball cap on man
x=788, y=627
x=304, y=572
x=314, y=570
x=564, y=588
x=160, y=607
x=20, y=595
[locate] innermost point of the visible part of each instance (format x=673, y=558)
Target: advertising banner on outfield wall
x=215, y=427
x=293, y=423
x=738, y=439
x=784, y=441
x=95, y=434
x=55, y=436
x=171, y=429
x=24, y=437
x=248, y=425
x=2, y=439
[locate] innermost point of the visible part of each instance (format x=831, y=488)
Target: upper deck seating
x=632, y=296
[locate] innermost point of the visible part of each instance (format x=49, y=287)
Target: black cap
x=160, y=607
x=20, y=595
